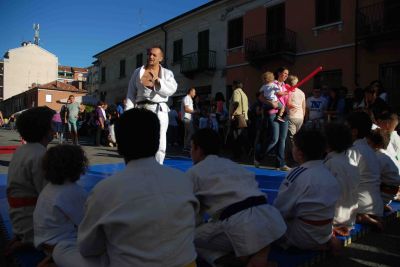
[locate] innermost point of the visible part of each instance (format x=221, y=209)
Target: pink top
x=57, y=117
x=282, y=99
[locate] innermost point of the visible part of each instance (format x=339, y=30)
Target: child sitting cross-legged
x=390, y=168
x=60, y=206
x=362, y=155
x=307, y=196
x=243, y=225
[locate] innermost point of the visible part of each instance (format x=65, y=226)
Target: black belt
x=242, y=205
x=148, y=102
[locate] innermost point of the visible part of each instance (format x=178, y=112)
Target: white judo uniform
x=156, y=101
x=219, y=183
x=348, y=178
x=364, y=158
x=393, y=148
x=390, y=175
x=58, y=213
x=141, y=216
x=306, y=199
x=25, y=181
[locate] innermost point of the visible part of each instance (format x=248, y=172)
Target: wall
x=26, y=65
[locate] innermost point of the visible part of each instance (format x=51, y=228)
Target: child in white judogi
x=60, y=205
x=339, y=139
x=308, y=195
x=25, y=178
x=389, y=121
x=361, y=155
x=390, y=167
x=242, y=221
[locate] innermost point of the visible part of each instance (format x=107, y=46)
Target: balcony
x=198, y=62
x=379, y=22
x=264, y=47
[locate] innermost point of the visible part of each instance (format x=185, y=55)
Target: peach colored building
x=356, y=42
x=48, y=94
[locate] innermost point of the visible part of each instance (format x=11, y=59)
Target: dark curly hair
x=207, y=140
x=63, y=163
x=34, y=124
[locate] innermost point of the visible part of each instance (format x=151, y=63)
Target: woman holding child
x=275, y=94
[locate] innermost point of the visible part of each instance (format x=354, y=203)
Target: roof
x=214, y=2
x=57, y=85
x=71, y=69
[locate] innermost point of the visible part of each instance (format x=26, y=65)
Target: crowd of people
x=347, y=170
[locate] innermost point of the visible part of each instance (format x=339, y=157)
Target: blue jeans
x=277, y=132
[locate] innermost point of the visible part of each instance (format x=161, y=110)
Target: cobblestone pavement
x=373, y=250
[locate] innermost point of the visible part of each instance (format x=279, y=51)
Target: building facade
x=1, y=80
x=355, y=41
x=27, y=65
x=49, y=94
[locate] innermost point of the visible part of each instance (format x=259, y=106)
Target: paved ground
x=376, y=249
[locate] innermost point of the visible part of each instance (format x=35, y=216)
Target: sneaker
x=280, y=119
x=284, y=168
x=256, y=164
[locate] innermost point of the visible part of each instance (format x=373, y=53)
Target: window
x=122, y=68
x=327, y=11
x=48, y=98
x=103, y=74
x=389, y=74
x=330, y=79
x=235, y=32
x=139, y=60
x=178, y=49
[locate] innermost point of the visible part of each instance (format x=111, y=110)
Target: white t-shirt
x=59, y=211
x=316, y=107
x=187, y=101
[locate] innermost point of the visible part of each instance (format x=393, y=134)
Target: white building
x=196, y=48
x=27, y=65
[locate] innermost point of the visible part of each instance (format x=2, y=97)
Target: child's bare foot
x=341, y=231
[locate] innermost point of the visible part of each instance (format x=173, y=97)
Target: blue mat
x=268, y=180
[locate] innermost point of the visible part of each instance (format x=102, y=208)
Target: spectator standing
x=315, y=109
x=72, y=118
x=172, y=133
x=188, y=111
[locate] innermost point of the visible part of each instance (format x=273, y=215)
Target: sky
x=75, y=30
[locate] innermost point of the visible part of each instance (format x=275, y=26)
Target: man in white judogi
x=149, y=88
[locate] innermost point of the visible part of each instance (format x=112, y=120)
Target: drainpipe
x=165, y=45
x=356, y=76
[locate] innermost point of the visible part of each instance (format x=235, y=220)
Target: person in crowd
x=358, y=97
x=149, y=88
x=339, y=140
x=361, y=155
x=172, y=133
x=60, y=206
x=238, y=111
x=303, y=200
x=389, y=121
x=188, y=111
x=315, y=109
x=278, y=130
x=58, y=127
x=381, y=92
x=100, y=121
x=1, y=119
x=256, y=126
x=389, y=166
x=336, y=106
x=121, y=107
x=296, y=106
x=141, y=216
x=372, y=104
x=25, y=179
x=242, y=221
x=72, y=118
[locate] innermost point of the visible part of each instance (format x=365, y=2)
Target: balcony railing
x=379, y=21
x=264, y=46
x=198, y=62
